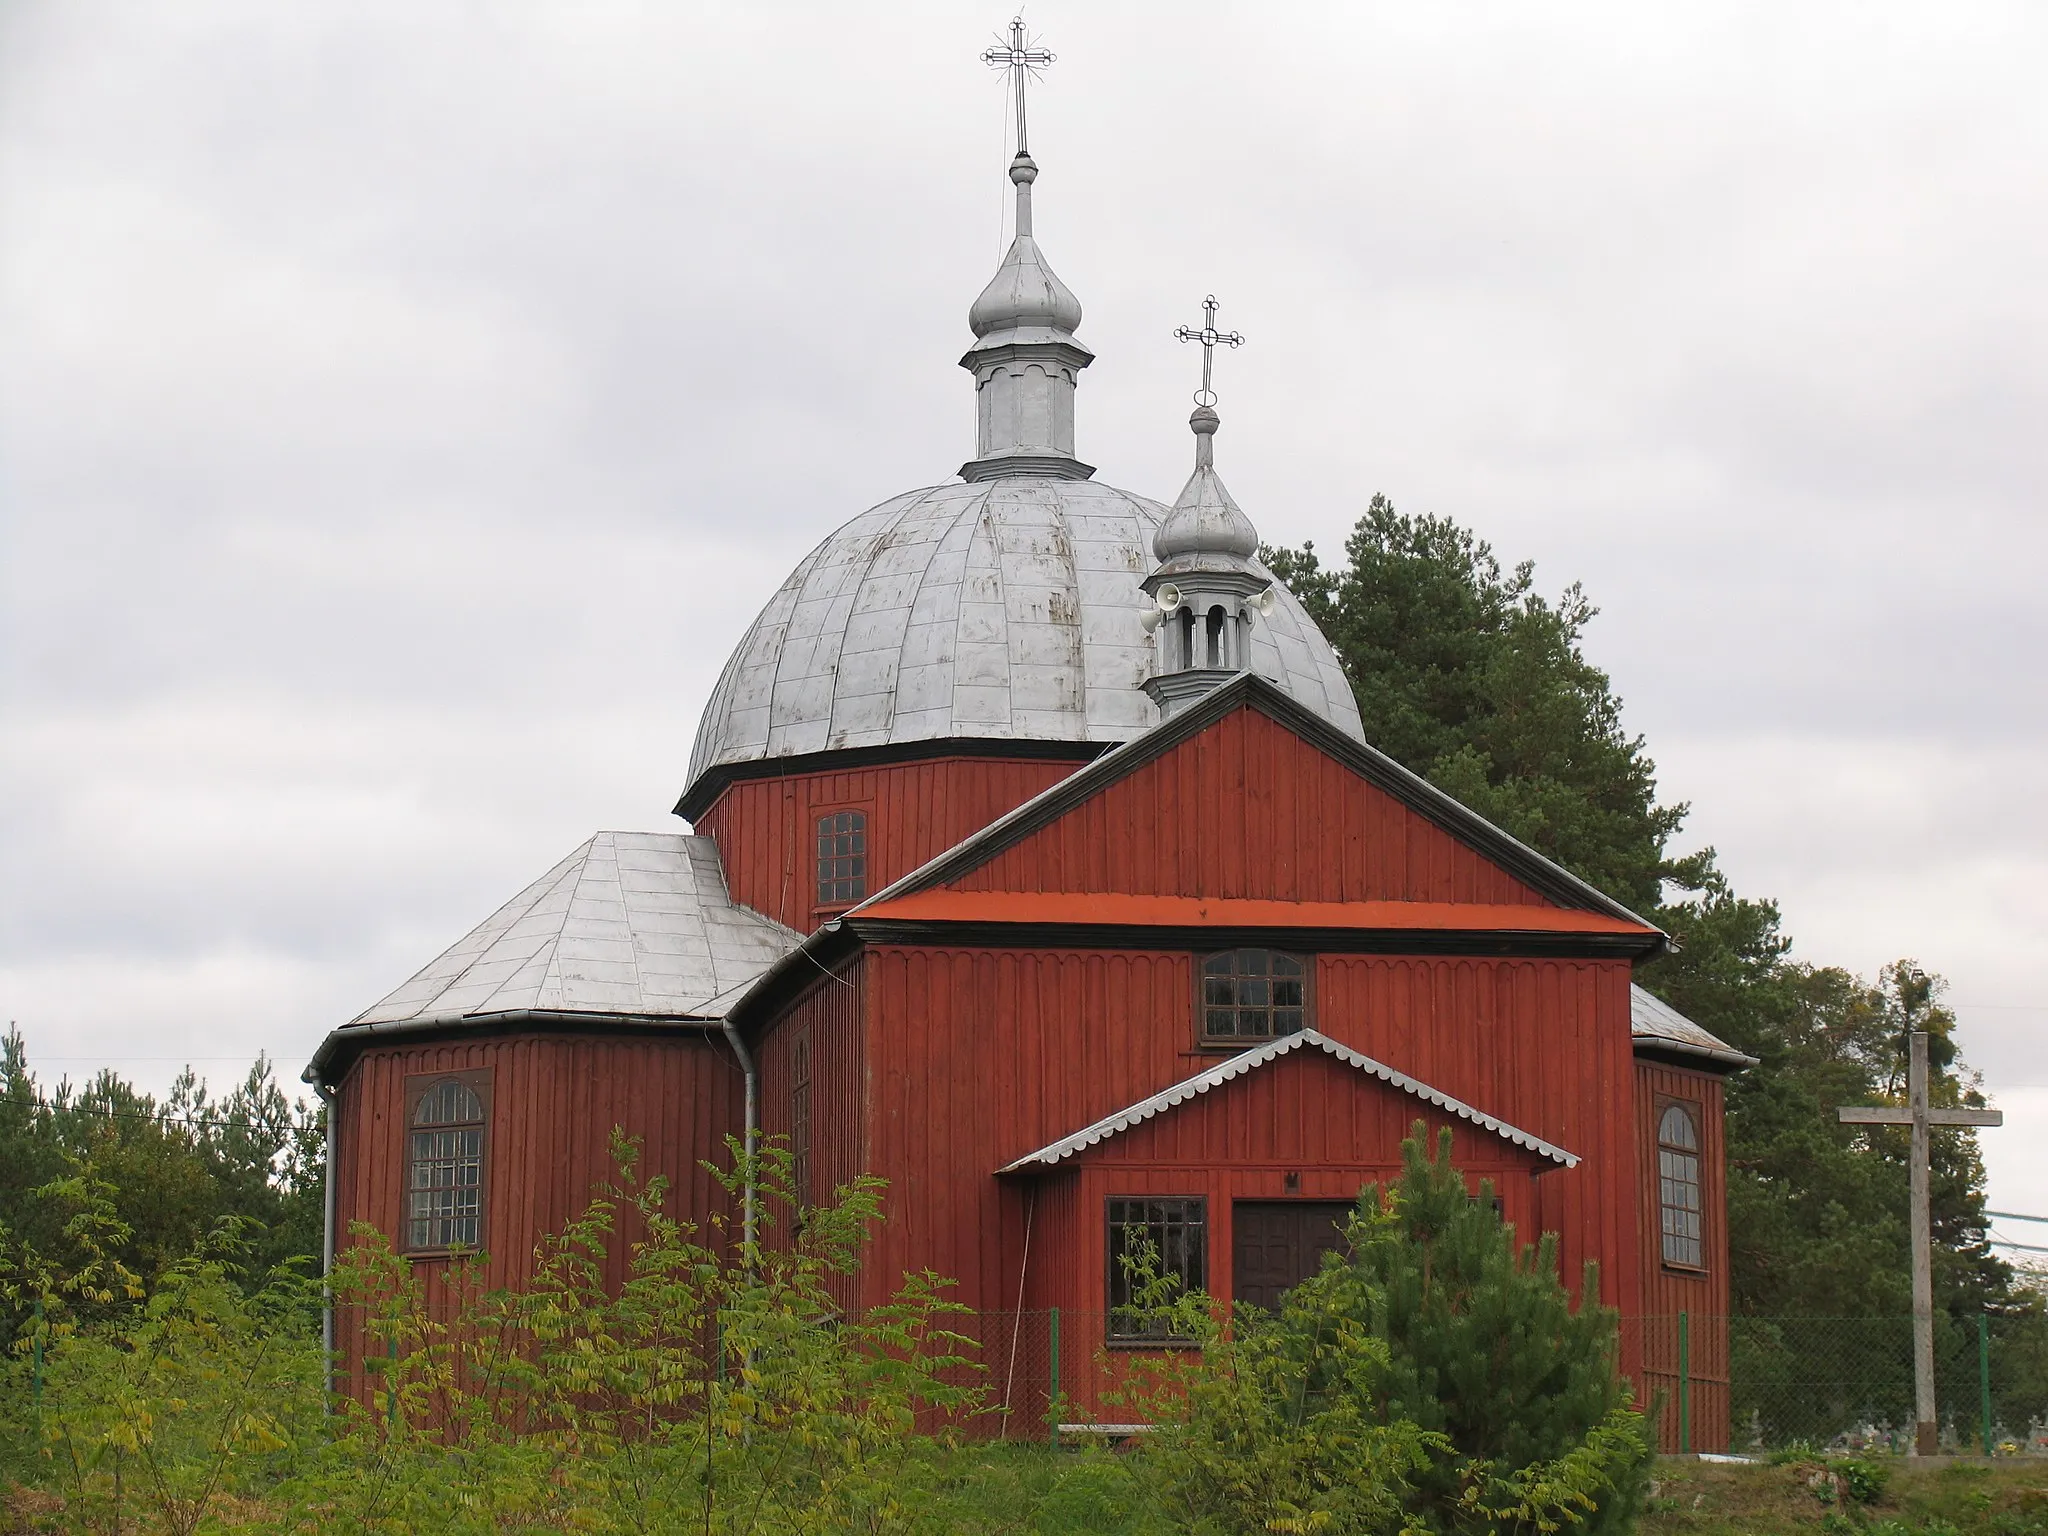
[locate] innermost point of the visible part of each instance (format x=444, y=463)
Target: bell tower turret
x=1208, y=588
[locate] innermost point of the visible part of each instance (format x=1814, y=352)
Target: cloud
x=403, y=412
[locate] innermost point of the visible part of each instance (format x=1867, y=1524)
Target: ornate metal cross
x=1211, y=339
x=1020, y=58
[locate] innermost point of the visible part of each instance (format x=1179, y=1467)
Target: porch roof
x=1248, y=1061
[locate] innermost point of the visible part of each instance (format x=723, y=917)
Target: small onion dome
x=1206, y=520
x=1024, y=292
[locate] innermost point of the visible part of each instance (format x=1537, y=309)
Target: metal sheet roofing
x=1654, y=1022
x=1259, y=1056
x=1006, y=608
x=635, y=923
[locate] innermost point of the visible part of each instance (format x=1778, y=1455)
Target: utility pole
x=1923, y=1120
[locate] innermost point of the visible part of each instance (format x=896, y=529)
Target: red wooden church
x=1042, y=865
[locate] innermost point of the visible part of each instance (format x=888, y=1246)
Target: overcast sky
x=407, y=407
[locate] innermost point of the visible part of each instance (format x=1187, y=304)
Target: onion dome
x=1025, y=294
x=1206, y=520
x=1005, y=609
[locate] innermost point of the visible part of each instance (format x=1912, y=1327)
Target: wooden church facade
x=1014, y=1030
x=1041, y=865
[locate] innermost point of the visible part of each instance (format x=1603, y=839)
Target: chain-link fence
x=1713, y=1384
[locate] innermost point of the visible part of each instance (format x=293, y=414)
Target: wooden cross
x=1020, y=58
x=1922, y=1119
x=1211, y=339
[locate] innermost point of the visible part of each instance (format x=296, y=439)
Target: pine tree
x=1485, y=1345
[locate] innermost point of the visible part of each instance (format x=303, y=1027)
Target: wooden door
x=1276, y=1244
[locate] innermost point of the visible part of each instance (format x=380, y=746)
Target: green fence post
x=1053, y=1397
x=39, y=1356
x=1984, y=1376
x=1684, y=1384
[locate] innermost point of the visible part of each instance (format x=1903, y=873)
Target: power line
x=2015, y=1216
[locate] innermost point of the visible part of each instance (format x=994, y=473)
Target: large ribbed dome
x=1002, y=609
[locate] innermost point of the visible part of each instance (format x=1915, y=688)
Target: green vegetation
x=1469, y=676
x=717, y=1387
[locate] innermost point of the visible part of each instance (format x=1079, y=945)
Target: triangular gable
x=1373, y=830
x=1250, y=1061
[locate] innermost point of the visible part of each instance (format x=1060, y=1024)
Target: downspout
x=327, y=1097
x=753, y=1124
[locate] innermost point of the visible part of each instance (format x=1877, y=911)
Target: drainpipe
x=327, y=1098
x=753, y=1124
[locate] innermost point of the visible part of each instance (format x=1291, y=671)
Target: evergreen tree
x=1468, y=676
x=175, y=1167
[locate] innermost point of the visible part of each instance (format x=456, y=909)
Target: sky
x=405, y=408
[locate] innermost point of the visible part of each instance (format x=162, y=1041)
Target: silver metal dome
x=1003, y=609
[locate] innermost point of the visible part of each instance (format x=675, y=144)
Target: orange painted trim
x=1236, y=912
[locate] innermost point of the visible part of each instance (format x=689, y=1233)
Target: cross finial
x=1021, y=58
x=1210, y=338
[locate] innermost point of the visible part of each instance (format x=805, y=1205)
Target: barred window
x=800, y=1117
x=1678, y=1187
x=1171, y=1238
x=445, y=1162
x=1250, y=995
x=842, y=858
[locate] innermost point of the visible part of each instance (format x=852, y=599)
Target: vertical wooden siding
x=1249, y=809
x=1667, y=1292
x=555, y=1101
x=829, y=1014
x=978, y=1056
x=766, y=828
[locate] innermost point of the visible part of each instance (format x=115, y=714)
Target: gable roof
x=1655, y=1025
x=1252, y=1060
x=631, y=924
x=1249, y=690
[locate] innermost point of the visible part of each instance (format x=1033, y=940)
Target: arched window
x=842, y=858
x=1678, y=1186
x=1249, y=995
x=1216, y=653
x=444, y=1202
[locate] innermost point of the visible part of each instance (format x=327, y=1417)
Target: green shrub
x=1435, y=1376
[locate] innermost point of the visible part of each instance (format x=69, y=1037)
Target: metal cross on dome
x=1211, y=339
x=1021, y=58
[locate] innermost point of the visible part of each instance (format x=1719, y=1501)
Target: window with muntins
x=842, y=858
x=444, y=1201
x=1678, y=1187
x=1250, y=995
x=1171, y=1238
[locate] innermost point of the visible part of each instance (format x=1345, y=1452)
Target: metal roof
x=635, y=923
x=1259, y=1056
x=1655, y=1023
x=1006, y=608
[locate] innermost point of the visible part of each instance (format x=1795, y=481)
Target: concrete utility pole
x=1922, y=1120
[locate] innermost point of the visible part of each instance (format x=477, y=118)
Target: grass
x=1966, y=1499
x=1026, y=1490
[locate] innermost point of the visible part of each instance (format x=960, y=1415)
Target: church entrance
x=1275, y=1244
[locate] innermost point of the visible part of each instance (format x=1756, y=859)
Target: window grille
x=800, y=1118
x=1250, y=995
x=445, y=1172
x=842, y=858
x=1678, y=1187
x=1169, y=1236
